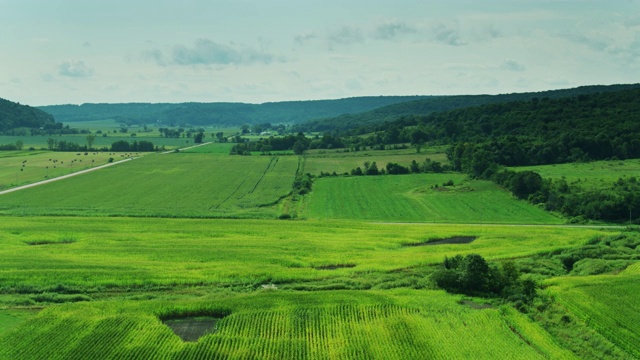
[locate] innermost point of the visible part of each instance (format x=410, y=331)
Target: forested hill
x=14, y=115
x=222, y=113
x=537, y=131
x=435, y=104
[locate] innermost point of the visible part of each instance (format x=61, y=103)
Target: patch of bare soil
x=192, y=328
x=449, y=240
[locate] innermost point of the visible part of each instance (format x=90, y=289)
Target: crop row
x=327, y=332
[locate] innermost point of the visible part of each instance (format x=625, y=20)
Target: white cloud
x=346, y=35
x=208, y=52
x=76, y=69
x=512, y=65
x=391, y=29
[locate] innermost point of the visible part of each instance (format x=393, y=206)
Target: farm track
x=274, y=161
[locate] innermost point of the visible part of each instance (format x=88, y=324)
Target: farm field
x=39, y=142
x=175, y=184
x=415, y=198
x=268, y=324
x=24, y=166
x=195, y=233
x=121, y=276
x=606, y=303
x=121, y=253
x=330, y=161
x=593, y=175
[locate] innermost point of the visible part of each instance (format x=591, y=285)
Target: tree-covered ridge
x=365, y=122
x=14, y=115
x=222, y=113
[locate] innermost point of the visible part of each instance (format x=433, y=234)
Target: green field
x=119, y=276
x=170, y=185
x=93, y=264
x=40, y=142
x=596, y=174
x=415, y=198
x=274, y=325
x=606, y=303
x=123, y=252
x=23, y=167
x=341, y=162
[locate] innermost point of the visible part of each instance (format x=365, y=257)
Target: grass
x=170, y=185
x=593, y=175
x=414, y=198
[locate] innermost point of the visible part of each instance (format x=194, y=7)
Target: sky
x=255, y=51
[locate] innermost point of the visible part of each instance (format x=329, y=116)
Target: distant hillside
x=222, y=113
x=14, y=115
x=437, y=104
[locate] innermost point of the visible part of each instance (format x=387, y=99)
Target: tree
x=197, y=139
x=51, y=143
x=90, y=139
x=19, y=144
x=299, y=147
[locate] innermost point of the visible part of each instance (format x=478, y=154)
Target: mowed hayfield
x=420, y=198
x=39, y=142
x=401, y=324
x=121, y=276
x=592, y=175
x=174, y=184
x=24, y=166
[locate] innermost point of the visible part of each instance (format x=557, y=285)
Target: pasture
x=420, y=198
x=24, y=166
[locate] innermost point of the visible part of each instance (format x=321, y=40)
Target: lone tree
x=90, y=139
x=197, y=139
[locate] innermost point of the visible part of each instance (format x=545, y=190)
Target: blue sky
x=78, y=51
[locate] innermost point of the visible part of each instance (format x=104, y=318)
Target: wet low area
x=445, y=241
x=334, y=266
x=193, y=328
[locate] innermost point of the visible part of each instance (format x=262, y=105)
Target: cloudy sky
x=78, y=51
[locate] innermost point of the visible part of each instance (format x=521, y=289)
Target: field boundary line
x=187, y=148
x=64, y=176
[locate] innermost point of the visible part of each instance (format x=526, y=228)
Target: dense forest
x=15, y=117
x=366, y=122
x=222, y=114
